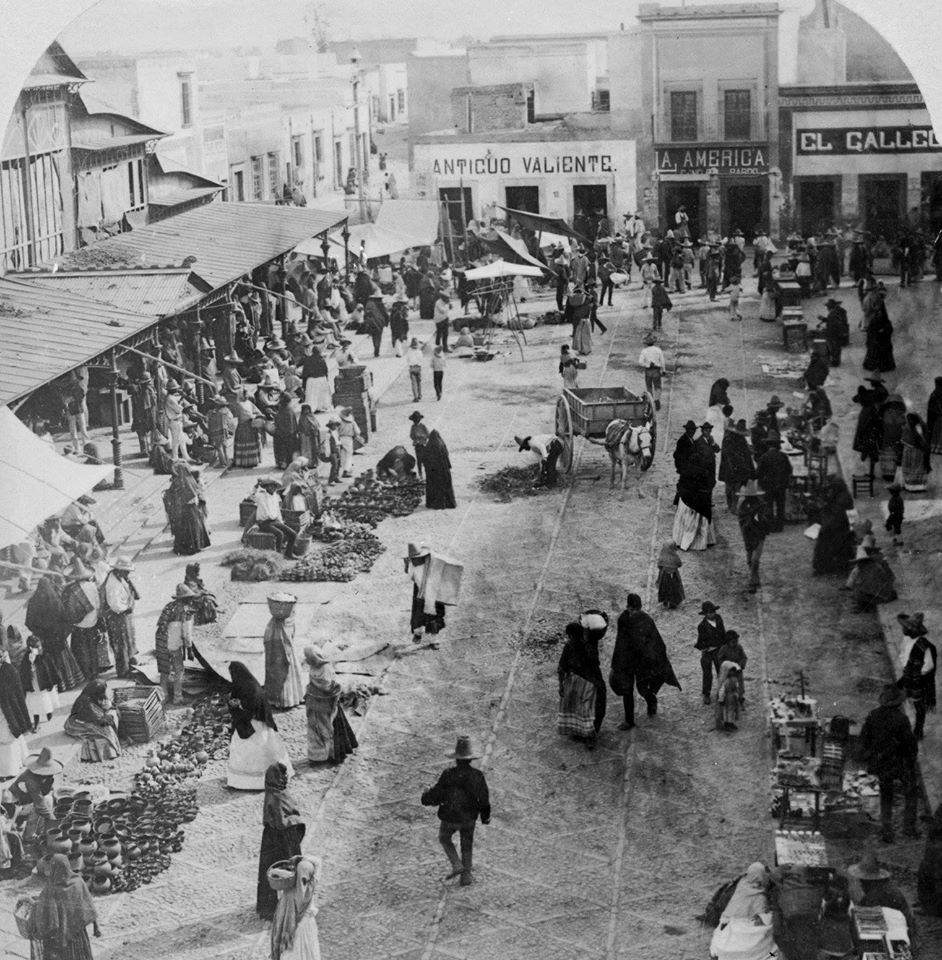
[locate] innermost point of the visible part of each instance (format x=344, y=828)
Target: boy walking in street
x=755, y=522
x=438, y=371
x=660, y=302
x=461, y=796
x=735, y=288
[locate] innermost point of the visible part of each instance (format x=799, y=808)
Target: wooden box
x=795, y=336
x=140, y=713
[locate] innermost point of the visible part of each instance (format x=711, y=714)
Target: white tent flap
x=500, y=268
x=35, y=481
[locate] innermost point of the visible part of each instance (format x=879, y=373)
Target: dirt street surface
x=606, y=854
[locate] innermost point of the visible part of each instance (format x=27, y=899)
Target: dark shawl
x=279, y=810
x=313, y=367
x=640, y=652
x=439, y=492
x=13, y=701
x=934, y=410
x=183, y=489
x=287, y=420
x=581, y=657
x=45, y=615
x=88, y=705
x=254, y=703
x=718, y=394
x=64, y=908
x=736, y=466
x=868, y=437
x=46, y=673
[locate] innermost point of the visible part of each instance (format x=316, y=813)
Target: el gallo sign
x=846, y=141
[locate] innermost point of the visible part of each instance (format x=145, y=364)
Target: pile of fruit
x=330, y=529
x=253, y=565
x=368, y=500
x=340, y=562
x=510, y=482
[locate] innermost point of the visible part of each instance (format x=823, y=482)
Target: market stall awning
x=220, y=241
x=415, y=219
x=501, y=268
x=154, y=293
x=541, y=224
x=35, y=481
x=46, y=333
x=378, y=241
x=514, y=250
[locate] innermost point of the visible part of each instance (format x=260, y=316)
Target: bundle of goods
x=797, y=772
x=253, y=565
x=340, y=562
x=369, y=500
x=330, y=529
x=356, y=698
x=510, y=482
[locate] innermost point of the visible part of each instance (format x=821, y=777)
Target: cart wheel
x=564, y=432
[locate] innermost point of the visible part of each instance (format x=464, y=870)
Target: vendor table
x=791, y=292
x=795, y=335
x=794, y=716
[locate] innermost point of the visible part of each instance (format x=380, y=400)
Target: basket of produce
x=281, y=875
x=281, y=605
x=140, y=713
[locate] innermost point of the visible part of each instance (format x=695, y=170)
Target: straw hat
x=868, y=869
x=315, y=656
x=913, y=624
x=123, y=563
x=78, y=571
x=415, y=416
x=43, y=764
x=523, y=443
x=270, y=481
x=464, y=750
x=346, y=414
x=650, y=338
x=774, y=401
x=416, y=551
x=751, y=489
x=183, y=592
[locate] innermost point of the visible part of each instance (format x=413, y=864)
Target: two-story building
x=705, y=81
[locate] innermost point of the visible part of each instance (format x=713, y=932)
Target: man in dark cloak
x=836, y=330
x=640, y=658
x=736, y=466
x=439, y=492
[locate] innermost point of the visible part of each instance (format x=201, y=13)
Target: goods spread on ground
x=341, y=561
x=510, y=482
x=253, y=565
x=793, y=709
x=122, y=842
x=541, y=641
x=369, y=500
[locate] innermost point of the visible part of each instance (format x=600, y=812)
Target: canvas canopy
x=515, y=250
x=35, y=481
x=541, y=224
x=501, y=268
x=379, y=242
x=416, y=219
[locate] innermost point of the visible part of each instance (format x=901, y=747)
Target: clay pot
x=134, y=852
x=75, y=836
x=76, y=862
x=62, y=809
x=111, y=847
x=101, y=865
x=58, y=843
x=89, y=860
x=81, y=808
x=104, y=825
x=101, y=885
x=88, y=845
x=136, y=803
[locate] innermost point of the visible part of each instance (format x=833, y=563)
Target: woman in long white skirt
x=14, y=719
x=255, y=743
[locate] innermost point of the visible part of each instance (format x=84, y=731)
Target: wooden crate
x=140, y=713
x=594, y=408
x=795, y=336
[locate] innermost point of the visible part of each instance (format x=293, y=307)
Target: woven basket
x=24, y=908
x=281, y=875
x=282, y=605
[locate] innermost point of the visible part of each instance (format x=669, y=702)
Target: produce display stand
x=800, y=848
x=587, y=412
x=794, y=717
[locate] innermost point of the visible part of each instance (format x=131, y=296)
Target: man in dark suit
x=711, y=635
x=773, y=472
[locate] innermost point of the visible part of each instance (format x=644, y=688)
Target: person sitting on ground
x=872, y=581
x=464, y=345
x=94, y=721
x=871, y=885
x=749, y=907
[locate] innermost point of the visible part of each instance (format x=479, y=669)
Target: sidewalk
x=135, y=525
x=918, y=562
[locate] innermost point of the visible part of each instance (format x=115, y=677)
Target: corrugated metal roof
x=153, y=293
x=81, y=142
x=227, y=240
x=44, y=334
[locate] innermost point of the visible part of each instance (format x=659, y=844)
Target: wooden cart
x=587, y=411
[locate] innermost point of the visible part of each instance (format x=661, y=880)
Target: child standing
x=895, y=511
x=649, y=271
x=333, y=450
x=735, y=288
x=220, y=426
x=348, y=433
x=414, y=362
x=438, y=371
x=310, y=432
x=39, y=679
x=670, y=588
x=660, y=302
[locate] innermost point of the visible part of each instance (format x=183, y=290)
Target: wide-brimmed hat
x=219, y=401
x=751, y=489
x=690, y=425
x=774, y=401
x=895, y=487
x=464, y=750
x=346, y=413
x=43, y=764
x=708, y=607
x=415, y=416
x=523, y=443
x=706, y=425
x=315, y=656
x=173, y=386
x=86, y=500
x=832, y=302
x=414, y=551
x=232, y=358
x=123, y=563
x=648, y=259
x=913, y=624
x=650, y=338
x=269, y=481
x=862, y=554
x=183, y=592
x=773, y=439
x=276, y=343
x=868, y=869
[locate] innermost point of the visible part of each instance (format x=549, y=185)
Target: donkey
x=627, y=443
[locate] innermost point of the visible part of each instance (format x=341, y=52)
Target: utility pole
x=361, y=201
